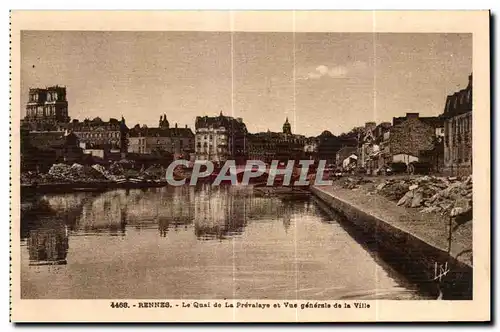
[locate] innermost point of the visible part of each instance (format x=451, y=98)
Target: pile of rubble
x=63, y=173
x=154, y=172
x=450, y=195
x=354, y=183
x=116, y=169
x=29, y=177
x=105, y=173
x=74, y=173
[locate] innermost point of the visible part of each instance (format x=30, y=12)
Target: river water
x=195, y=243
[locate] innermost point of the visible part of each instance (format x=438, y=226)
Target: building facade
x=408, y=139
x=350, y=162
x=144, y=140
x=379, y=152
x=311, y=148
x=345, y=153
x=42, y=149
x=366, y=142
x=262, y=146
x=179, y=142
x=220, y=138
x=436, y=122
x=47, y=109
x=281, y=146
x=109, y=136
x=458, y=132
x=182, y=140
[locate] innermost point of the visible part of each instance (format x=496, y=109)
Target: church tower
x=47, y=108
x=164, y=122
x=287, y=129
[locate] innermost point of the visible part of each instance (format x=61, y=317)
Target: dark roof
x=227, y=122
x=311, y=139
x=52, y=139
x=459, y=102
x=384, y=125
x=274, y=136
x=87, y=124
x=49, y=88
x=433, y=121
x=160, y=132
x=181, y=132
x=326, y=133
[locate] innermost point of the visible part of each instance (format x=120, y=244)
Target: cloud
x=338, y=71
x=322, y=70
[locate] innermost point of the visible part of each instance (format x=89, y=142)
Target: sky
x=320, y=81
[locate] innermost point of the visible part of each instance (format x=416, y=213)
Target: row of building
x=444, y=141
x=48, y=134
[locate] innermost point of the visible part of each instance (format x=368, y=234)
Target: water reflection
x=212, y=213
x=48, y=246
x=172, y=242
x=216, y=213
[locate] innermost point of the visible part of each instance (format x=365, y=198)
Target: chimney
x=470, y=79
x=186, y=126
x=412, y=115
x=176, y=125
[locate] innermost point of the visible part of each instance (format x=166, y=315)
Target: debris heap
x=354, y=183
x=74, y=173
x=154, y=172
x=450, y=195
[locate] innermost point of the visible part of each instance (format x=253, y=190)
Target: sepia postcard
x=250, y=166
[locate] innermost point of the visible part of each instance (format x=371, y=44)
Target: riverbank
x=420, y=241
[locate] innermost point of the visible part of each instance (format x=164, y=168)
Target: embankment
x=418, y=244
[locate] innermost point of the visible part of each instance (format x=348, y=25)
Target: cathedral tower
x=287, y=128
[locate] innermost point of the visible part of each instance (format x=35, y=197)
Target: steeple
x=287, y=128
x=164, y=122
